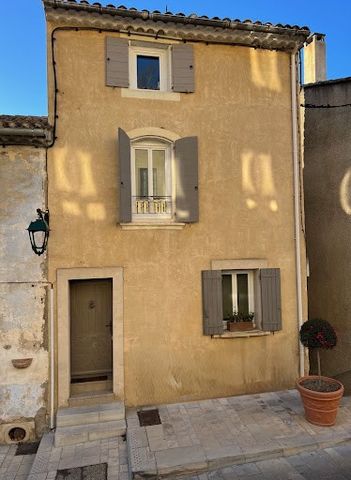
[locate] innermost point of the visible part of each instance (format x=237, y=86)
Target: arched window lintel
x=153, y=133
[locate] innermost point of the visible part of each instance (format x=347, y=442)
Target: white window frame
x=150, y=145
x=251, y=288
x=164, y=65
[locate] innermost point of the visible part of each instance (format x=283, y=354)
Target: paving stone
x=182, y=459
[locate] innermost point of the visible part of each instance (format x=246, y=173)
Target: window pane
x=227, y=296
x=159, y=173
x=243, y=293
x=148, y=72
x=141, y=180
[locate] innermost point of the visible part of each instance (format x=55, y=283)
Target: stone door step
x=86, y=433
x=91, y=398
x=90, y=414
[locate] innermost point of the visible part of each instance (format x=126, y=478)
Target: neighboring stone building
x=327, y=179
x=23, y=279
x=174, y=202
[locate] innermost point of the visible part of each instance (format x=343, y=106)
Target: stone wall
x=23, y=291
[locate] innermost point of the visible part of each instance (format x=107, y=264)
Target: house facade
x=24, y=289
x=174, y=187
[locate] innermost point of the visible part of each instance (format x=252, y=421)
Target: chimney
x=315, y=68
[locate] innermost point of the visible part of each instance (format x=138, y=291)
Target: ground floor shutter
x=270, y=299
x=212, y=302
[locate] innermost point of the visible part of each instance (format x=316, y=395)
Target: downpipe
x=297, y=206
x=52, y=360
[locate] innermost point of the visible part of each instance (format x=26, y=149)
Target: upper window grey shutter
x=212, y=302
x=271, y=299
x=117, y=63
x=183, y=68
x=187, y=195
x=125, y=188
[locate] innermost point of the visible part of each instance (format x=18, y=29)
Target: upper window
x=151, y=171
x=158, y=179
x=148, y=68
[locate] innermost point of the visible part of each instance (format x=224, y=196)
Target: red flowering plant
x=317, y=333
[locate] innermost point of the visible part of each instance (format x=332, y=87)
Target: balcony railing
x=152, y=205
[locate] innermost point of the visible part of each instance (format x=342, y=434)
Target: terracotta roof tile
x=33, y=124
x=83, y=4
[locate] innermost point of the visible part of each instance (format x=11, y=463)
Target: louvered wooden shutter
x=187, y=195
x=117, y=63
x=183, y=68
x=212, y=302
x=271, y=299
x=125, y=190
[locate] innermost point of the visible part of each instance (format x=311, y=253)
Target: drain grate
x=27, y=448
x=147, y=418
x=91, y=472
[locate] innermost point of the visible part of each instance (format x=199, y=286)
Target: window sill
x=152, y=226
x=150, y=94
x=248, y=333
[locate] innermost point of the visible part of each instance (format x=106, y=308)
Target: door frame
x=64, y=275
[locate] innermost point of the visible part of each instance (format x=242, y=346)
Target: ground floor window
x=241, y=299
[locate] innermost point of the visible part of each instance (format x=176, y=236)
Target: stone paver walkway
x=205, y=435
x=330, y=463
x=14, y=467
x=50, y=459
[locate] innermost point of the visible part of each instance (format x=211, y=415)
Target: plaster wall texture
x=327, y=179
x=241, y=113
x=23, y=288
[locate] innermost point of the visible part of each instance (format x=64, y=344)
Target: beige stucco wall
x=241, y=113
x=23, y=288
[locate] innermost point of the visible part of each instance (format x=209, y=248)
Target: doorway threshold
x=91, y=398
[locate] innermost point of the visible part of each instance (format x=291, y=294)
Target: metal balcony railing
x=152, y=205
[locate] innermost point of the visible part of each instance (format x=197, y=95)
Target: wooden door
x=91, y=328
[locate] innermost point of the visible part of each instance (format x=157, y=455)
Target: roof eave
x=190, y=28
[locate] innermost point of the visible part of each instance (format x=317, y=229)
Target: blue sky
x=23, y=49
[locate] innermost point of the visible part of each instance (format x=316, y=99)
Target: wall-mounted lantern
x=39, y=232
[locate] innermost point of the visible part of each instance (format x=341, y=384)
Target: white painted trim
x=64, y=275
x=163, y=56
x=250, y=284
x=150, y=94
x=152, y=226
x=150, y=145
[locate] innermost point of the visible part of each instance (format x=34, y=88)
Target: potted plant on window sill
x=320, y=395
x=240, y=322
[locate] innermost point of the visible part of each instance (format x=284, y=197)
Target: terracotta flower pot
x=320, y=407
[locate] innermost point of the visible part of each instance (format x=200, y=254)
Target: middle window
x=151, y=179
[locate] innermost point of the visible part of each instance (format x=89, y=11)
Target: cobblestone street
x=263, y=436
x=330, y=463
